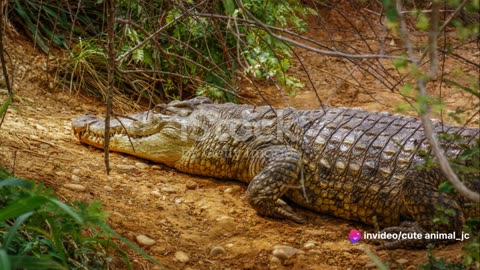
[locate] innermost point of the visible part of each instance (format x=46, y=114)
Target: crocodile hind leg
x=280, y=171
x=421, y=206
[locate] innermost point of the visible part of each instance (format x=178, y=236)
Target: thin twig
x=110, y=10
x=3, y=19
x=427, y=122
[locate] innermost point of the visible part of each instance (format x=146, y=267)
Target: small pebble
x=168, y=190
x=75, y=178
x=192, y=185
x=181, y=256
x=285, y=252
x=275, y=260
x=402, y=261
x=156, y=193
x=118, y=214
x=216, y=251
x=40, y=127
x=179, y=200
x=145, y=240
x=108, y=188
x=125, y=167
x=233, y=189
x=75, y=187
x=224, y=218
x=141, y=165
x=309, y=245
x=76, y=171
x=156, y=167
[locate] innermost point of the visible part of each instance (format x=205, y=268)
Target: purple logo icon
x=354, y=236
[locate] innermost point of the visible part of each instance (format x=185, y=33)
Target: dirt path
x=197, y=222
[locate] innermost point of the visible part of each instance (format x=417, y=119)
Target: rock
x=224, y=218
x=125, y=167
x=76, y=171
x=402, y=261
x=181, y=257
x=118, y=214
x=191, y=185
x=316, y=251
x=74, y=187
x=144, y=240
x=178, y=200
x=331, y=261
x=232, y=189
x=168, y=190
x=225, y=224
x=141, y=165
x=285, y=252
x=216, y=251
x=309, y=245
x=108, y=188
x=275, y=260
x=156, y=167
x=156, y=193
x=75, y=178
x=40, y=127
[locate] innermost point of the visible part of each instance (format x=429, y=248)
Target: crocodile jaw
x=148, y=137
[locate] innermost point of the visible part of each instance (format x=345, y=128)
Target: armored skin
x=348, y=163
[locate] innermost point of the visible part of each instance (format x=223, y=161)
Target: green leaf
x=67, y=210
x=31, y=262
x=21, y=206
x=464, y=88
x=401, y=62
x=422, y=22
x=406, y=89
x=229, y=7
x=12, y=181
x=13, y=230
x=4, y=260
x=446, y=187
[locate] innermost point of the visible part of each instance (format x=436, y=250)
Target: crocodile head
x=159, y=135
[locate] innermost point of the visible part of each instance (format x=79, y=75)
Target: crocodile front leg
x=281, y=169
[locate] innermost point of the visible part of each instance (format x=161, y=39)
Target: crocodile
x=345, y=162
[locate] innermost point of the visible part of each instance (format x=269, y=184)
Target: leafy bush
x=37, y=231
x=168, y=49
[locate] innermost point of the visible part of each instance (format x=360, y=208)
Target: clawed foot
x=283, y=210
x=277, y=209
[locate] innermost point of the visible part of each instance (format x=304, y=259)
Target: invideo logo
x=354, y=236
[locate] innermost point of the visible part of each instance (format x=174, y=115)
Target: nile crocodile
x=349, y=163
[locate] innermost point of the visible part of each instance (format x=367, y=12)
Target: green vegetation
x=427, y=67
x=37, y=231
x=167, y=49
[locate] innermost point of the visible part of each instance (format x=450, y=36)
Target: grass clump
x=37, y=231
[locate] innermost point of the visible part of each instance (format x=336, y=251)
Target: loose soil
x=188, y=213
